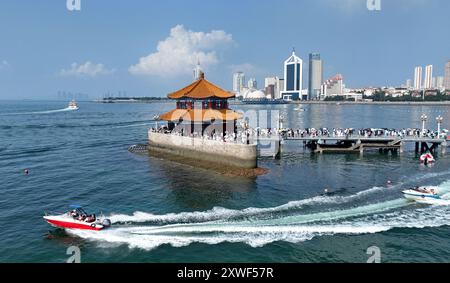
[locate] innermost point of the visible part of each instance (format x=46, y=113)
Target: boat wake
x=67, y=109
x=260, y=226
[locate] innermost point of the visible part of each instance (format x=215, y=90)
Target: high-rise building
x=447, y=76
x=408, y=83
x=197, y=71
x=293, y=78
x=439, y=82
x=238, y=82
x=315, y=76
x=252, y=84
x=434, y=82
x=333, y=86
x=427, y=84
x=278, y=86
x=279, y=89
x=418, y=78
x=270, y=91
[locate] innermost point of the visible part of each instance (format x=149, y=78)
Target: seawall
x=229, y=154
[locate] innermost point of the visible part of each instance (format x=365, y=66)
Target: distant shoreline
x=393, y=103
x=388, y=103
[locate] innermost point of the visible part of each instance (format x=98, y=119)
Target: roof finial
x=293, y=50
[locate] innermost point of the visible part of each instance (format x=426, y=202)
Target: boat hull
x=61, y=222
x=418, y=196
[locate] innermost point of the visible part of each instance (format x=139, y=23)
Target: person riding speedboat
x=77, y=218
x=421, y=193
x=73, y=105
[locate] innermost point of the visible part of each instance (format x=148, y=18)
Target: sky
x=149, y=48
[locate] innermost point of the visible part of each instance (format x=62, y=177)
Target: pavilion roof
x=201, y=89
x=200, y=115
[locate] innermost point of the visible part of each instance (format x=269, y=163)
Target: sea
x=166, y=211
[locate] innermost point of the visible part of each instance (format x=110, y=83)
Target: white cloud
x=87, y=69
x=178, y=53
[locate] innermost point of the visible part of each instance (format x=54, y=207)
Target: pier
x=352, y=142
x=359, y=144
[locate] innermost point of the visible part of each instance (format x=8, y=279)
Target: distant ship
x=73, y=105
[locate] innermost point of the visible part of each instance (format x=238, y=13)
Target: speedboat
x=73, y=105
x=427, y=158
x=422, y=194
x=77, y=218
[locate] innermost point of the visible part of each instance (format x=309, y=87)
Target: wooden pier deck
x=359, y=144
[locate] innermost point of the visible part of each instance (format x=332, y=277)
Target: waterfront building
x=270, y=86
x=200, y=107
x=252, y=83
x=447, y=76
x=279, y=88
x=315, y=76
x=293, y=78
x=334, y=86
x=409, y=83
x=270, y=91
x=418, y=78
x=238, y=82
x=439, y=82
x=428, y=77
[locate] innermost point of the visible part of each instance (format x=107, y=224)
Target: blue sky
x=147, y=47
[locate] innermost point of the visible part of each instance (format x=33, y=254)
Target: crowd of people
x=251, y=134
x=366, y=133
x=242, y=136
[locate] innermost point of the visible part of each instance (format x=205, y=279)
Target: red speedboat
x=77, y=218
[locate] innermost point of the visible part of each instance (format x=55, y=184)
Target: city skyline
x=89, y=51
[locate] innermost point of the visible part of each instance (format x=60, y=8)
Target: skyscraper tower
x=428, y=83
x=447, y=76
x=418, y=78
x=293, y=78
x=315, y=76
x=252, y=84
x=238, y=82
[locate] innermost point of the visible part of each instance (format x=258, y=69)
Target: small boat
x=422, y=194
x=77, y=218
x=73, y=105
x=427, y=158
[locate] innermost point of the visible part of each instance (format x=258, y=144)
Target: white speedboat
x=73, y=105
x=421, y=194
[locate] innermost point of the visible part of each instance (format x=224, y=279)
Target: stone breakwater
x=224, y=153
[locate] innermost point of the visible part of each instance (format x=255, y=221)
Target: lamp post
x=280, y=121
x=439, y=120
x=424, y=118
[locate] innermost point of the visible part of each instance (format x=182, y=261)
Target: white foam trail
x=41, y=112
x=220, y=213
x=253, y=236
x=258, y=235
x=366, y=219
